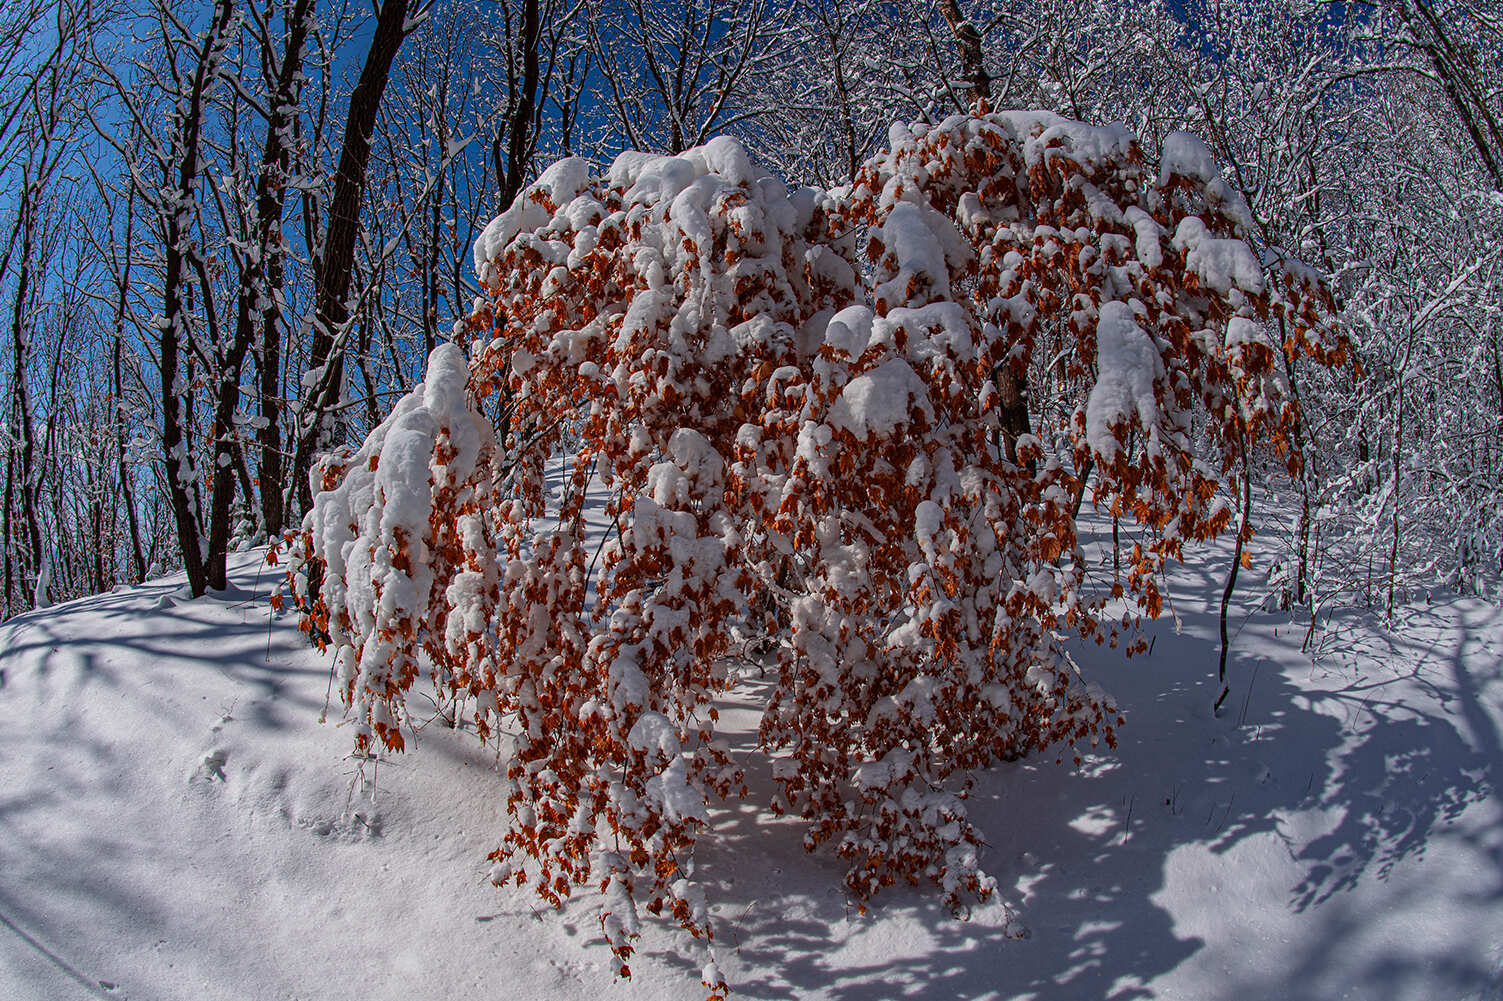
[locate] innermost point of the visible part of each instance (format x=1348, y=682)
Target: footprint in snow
x=212, y=767
x=357, y=826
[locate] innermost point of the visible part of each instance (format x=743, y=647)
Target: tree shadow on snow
x=1406, y=773
x=1389, y=747
x=142, y=646
x=227, y=632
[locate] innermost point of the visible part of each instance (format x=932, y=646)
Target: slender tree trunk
x=521, y=130
x=1303, y=550
x=1304, y=449
x=271, y=200
x=972, y=54
x=1231, y=578
x=222, y=494
x=20, y=334
x=1398, y=473
x=228, y=460
x=96, y=530
x=1458, y=73
x=331, y=306
x=1011, y=391
x=182, y=485
x=271, y=469
x=6, y=539
x=843, y=93
x=127, y=488
x=1085, y=477
x=430, y=269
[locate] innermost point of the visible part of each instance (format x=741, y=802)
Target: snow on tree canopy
x=785, y=405
x=371, y=530
x=880, y=400
x=1127, y=365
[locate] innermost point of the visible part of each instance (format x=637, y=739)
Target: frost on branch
x=785, y=406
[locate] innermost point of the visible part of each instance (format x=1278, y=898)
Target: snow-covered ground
x=175, y=822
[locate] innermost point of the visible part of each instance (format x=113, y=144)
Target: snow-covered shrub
x=785, y=405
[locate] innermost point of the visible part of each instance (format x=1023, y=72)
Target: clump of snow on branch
x=370, y=530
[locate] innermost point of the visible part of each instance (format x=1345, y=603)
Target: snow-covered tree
x=783, y=405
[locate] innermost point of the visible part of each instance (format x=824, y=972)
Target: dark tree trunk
x=1011, y=391
x=226, y=401
x=522, y=127
x=20, y=329
x=8, y=608
x=1231, y=578
x=255, y=293
x=182, y=487
x=331, y=306
x=1460, y=77
x=127, y=489
x=519, y=129
x=271, y=200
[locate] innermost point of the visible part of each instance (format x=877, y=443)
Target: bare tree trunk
x=226, y=402
x=1302, y=570
x=972, y=56
x=1011, y=391
x=1231, y=577
x=1304, y=450
x=20, y=333
x=331, y=308
x=181, y=481
x=521, y=129
x=8, y=608
x=843, y=92
x=271, y=200
x=1398, y=473
x=96, y=530
x=117, y=386
x=1457, y=70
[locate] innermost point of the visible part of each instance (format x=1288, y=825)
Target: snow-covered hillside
x=175, y=822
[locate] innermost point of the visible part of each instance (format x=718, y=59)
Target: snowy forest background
x=231, y=233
